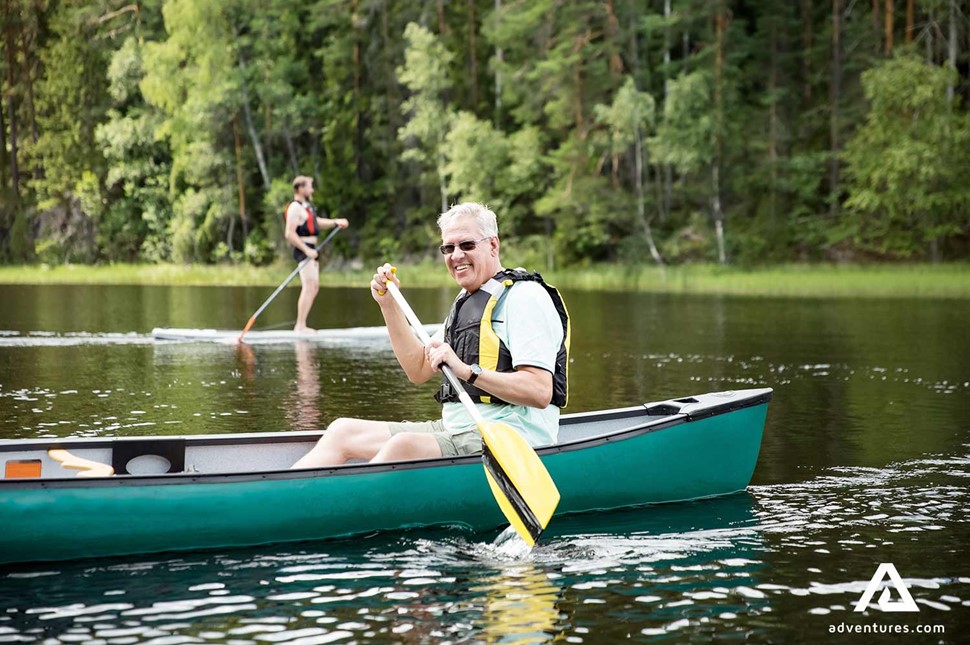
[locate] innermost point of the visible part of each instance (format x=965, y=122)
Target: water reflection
x=303, y=401
x=865, y=459
x=780, y=564
x=677, y=569
x=519, y=605
x=637, y=568
x=245, y=362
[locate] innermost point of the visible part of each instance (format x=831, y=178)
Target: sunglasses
x=467, y=245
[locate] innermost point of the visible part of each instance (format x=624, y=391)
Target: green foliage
x=189, y=208
x=625, y=126
x=20, y=248
x=485, y=165
x=170, y=131
x=193, y=78
x=691, y=242
x=258, y=250
x=630, y=115
x=135, y=222
x=907, y=166
x=274, y=203
x=424, y=73
x=582, y=209
x=685, y=135
x=71, y=101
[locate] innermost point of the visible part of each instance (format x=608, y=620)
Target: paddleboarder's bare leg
x=347, y=439
x=310, y=281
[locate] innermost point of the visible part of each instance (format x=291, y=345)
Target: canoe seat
x=150, y=456
x=86, y=467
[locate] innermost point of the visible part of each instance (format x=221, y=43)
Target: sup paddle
x=520, y=482
x=252, y=319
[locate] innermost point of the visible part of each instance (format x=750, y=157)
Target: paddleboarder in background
x=301, y=227
x=506, y=337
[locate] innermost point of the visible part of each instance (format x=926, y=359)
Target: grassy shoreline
x=801, y=280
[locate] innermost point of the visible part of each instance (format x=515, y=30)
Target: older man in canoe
x=506, y=338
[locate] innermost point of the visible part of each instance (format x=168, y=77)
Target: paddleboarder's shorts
x=298, y=255
x=452, y=445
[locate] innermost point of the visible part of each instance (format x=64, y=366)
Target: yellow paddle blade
x=520, y=482
x=510, y=512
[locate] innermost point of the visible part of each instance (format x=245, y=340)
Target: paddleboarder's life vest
x=307, y=228
x=468, y=329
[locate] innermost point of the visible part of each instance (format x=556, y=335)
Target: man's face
x=308, y=190
x=470, y=269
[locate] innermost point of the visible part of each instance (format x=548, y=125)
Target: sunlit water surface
x=865, y=459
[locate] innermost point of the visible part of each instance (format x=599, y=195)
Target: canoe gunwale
x=331, y=471
x=649, y=425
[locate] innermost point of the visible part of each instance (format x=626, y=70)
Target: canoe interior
x=178, y=457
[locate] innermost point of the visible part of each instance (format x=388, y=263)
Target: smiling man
x=506, y=337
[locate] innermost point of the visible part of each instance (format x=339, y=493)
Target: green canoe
x=196, y=492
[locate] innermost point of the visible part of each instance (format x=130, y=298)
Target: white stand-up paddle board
x=275, y=336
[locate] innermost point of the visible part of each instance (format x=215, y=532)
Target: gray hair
x=482, y=214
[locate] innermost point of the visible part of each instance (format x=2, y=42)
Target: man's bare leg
x=347, y=439
x=405, y=446
x=310, y=285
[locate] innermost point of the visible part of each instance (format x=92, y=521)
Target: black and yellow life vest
x=468, y=329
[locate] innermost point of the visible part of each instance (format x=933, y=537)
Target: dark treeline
x=599, y=130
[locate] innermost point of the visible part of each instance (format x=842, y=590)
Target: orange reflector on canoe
x=21, y=468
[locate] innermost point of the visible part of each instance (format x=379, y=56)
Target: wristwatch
x=476, y=370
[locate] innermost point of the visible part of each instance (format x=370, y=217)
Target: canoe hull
x=705, y=458
x=673, y=459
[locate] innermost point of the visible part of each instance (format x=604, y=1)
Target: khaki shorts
x=452, y=445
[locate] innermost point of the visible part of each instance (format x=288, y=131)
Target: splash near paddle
x=519, y=481
x=517, y=477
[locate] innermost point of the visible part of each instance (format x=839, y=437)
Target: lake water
x=865, y=460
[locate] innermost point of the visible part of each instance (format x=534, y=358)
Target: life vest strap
x=490, y=352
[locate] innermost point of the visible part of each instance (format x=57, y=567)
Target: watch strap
x=476, y=370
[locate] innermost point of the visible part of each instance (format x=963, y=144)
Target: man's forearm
x=407, y=348
x=531, y=386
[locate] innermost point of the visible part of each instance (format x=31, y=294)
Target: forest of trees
x=639, y=131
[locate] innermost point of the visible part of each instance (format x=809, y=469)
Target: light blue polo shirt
x=526, y=320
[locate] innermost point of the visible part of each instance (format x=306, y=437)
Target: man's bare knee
x=348, y=438
x=333, y=448
x=408, y=445
x=339, y=426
